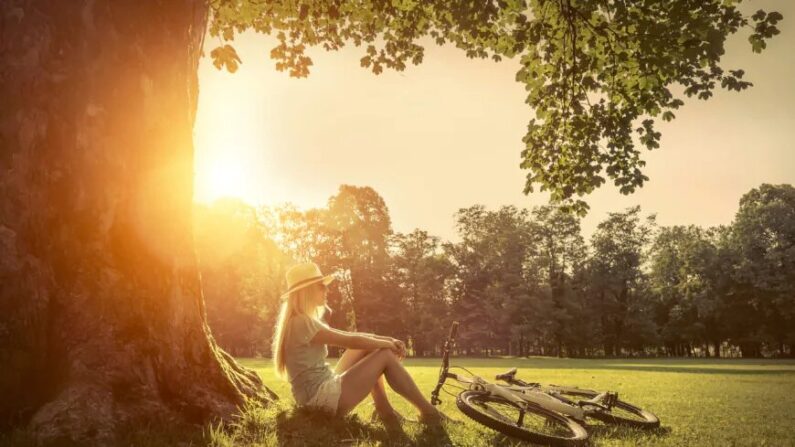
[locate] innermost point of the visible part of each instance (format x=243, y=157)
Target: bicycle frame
x=523, y=395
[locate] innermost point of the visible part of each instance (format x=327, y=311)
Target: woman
x=299, y=347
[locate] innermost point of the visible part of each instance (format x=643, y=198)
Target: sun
x=225, y=177
x=233, y=140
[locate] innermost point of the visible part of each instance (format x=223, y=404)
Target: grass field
x=700, y=403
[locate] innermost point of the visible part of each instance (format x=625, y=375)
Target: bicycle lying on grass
x=545, y=414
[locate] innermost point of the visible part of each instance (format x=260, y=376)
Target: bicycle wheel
x=622, y=413
x=533, y=424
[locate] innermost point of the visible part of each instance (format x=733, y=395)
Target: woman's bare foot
x=387, y=417
x=434, y=417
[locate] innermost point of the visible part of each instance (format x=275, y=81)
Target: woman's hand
x=391, y=345
x=395, y=345
x=400, y=348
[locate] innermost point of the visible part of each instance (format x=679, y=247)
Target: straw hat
x=303, y=275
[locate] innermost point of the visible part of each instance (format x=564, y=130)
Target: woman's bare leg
x=349, y=358
x=360, y=378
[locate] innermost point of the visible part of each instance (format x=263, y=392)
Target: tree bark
x=102, y=320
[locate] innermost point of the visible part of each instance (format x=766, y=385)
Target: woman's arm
x=380, y=337
x=351, y=340
x=401, y=346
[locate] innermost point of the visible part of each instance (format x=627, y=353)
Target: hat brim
x=326, y=280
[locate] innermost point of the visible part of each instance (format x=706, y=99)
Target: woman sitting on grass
x=299, y=347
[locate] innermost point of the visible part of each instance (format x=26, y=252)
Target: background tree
x=530, y=273
x=359, y=221
x=557, y=250
x=308, y=236
x=304, y=234
x=242, y=272
x=764, y=233
x=422, y=272
x=684, y=283
x=716, y=312
x=490, y=275
x=620, y=300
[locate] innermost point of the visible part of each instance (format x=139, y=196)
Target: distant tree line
x=520, y=282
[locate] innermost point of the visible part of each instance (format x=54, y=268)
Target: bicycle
x=544, y=414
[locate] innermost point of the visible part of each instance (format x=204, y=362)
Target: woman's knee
x=348, y=359
x=388, y=354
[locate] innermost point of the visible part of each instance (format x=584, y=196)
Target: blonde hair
x=297, y=303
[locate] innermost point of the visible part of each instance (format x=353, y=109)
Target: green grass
x=699, y=402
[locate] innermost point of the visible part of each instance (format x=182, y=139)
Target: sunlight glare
x=226, y=178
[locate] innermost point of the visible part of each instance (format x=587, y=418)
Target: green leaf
x=627, y=60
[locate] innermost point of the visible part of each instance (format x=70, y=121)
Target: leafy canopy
x=598, y=72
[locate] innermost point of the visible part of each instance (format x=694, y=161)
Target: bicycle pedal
x=611, y=399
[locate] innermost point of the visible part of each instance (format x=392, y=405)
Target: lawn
x=700, y=403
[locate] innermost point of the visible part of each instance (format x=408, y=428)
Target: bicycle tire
x=475, y=404
x=646, y=420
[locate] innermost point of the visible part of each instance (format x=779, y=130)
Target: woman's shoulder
x=303, y=328
x=307, y=317
x=306, y=322
x=301, y=319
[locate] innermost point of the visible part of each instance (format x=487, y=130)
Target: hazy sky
x=447, y=134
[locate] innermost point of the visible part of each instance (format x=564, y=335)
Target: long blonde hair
x=297, y=303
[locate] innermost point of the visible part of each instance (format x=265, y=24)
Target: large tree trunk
x=103, y=321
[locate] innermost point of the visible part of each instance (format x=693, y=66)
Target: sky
x=446, y=135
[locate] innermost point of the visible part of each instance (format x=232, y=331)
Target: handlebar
x=453, y=330
x=448, y=345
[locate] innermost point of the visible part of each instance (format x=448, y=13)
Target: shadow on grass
x=17, y=438
x=151, y=435
x=280, y=424
x=305, y=427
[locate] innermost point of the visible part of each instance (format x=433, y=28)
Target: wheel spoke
x=624, y=413
x=493, y=412
x=620, y=413
x=511, y=414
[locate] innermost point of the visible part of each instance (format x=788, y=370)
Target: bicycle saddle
x=507, y=376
